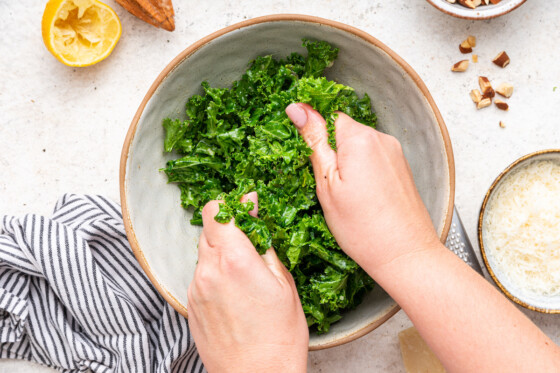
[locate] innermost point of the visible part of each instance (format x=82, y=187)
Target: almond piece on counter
x=465, y=47
x=502, y=105
x=476, y=96
x=495, y=1
x=485, y=102
x=505, y=89
x=502, y=59
x=502, y=124
x=475, y=58
x=460, y=66
x=468, y=44
x=485, y=87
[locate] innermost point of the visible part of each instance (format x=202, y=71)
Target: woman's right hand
x=366, y=190
x=377, y=217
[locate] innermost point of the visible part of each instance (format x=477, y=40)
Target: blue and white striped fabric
x=73, y=297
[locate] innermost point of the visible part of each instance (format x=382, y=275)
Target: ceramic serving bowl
x=531, y=301
x=481, y=12
x=158, y=228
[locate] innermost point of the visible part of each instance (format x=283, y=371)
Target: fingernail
x=297, y=114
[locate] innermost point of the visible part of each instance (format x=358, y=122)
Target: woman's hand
x=366, y=190
x=244, y=311
x=373, y=209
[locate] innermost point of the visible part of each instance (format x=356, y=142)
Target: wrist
x=400, y=256
x=279, y=359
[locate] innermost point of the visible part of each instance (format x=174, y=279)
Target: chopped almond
x=475, y=58
x=502, y=124
x=505, y=89
x=468, y=3
x=474, y=3
x=502, y=105
x=476, y=96
x=502, y=59
x=465, y=47
x=485, y=87
x=460, y=66
x=485, y=102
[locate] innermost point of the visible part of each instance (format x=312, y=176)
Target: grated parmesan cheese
x=522, y=228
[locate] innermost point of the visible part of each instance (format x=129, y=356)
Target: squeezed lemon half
x=80, y=32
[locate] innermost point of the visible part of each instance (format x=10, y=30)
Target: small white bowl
x=481, y=12
x=528, y=300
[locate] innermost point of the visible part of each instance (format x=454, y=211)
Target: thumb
x=313, y=128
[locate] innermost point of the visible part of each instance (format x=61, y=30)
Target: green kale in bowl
x=239, y=140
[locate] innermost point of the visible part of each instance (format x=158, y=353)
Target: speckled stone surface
x=62, y=129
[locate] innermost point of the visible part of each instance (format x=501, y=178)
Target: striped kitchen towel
x=73, y=297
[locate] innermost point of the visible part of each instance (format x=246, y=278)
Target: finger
x=270, y=258
x=253, y=197
x=346, y=128
x=356, y=143
x=275, y=265
x=206, y=253
x=202, y=247
x=222, y=235
x=313, y=128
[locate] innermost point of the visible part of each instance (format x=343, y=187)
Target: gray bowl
x=157, y=227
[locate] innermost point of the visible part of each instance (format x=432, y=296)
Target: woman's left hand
x=244, y=311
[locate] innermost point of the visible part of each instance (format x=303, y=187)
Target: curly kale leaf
x=239, y=139
x=320, y=55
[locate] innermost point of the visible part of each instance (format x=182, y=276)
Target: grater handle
x=458, y=242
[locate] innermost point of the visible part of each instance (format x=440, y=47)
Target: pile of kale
x=239, y=140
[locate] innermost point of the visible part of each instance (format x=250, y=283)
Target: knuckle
x=315, y=132
x=393, y=143
x=235, y=264
x=370, y=134
x=210, y=208
x=315, y=139
x=343, y=117
x=366, y=139
x=204, y=280
x=289, y=279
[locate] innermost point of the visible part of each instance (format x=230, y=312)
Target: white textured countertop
x=61, y=129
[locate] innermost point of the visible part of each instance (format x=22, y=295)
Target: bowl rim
x=445, y=9
x=166, y=294
x=502, y=175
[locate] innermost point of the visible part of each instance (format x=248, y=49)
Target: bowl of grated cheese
x=519, y=231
